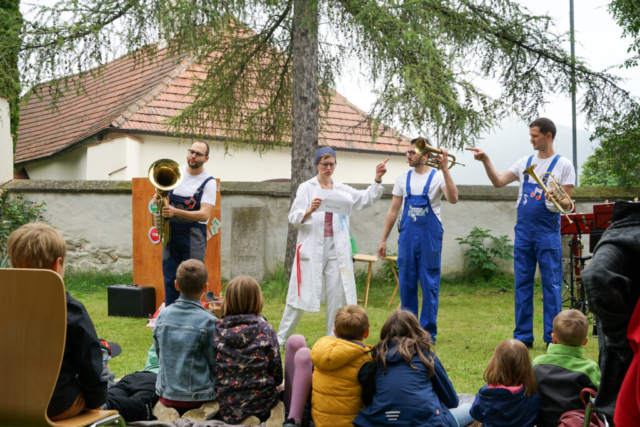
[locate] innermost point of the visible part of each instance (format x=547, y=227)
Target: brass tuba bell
x=423, y=148
x=165, y=175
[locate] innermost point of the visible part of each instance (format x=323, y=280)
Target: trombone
x=558, y=191
x=423, y=147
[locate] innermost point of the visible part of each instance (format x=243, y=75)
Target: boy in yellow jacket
x=343, y=377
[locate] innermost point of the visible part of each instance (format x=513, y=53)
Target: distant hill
x=509, y=143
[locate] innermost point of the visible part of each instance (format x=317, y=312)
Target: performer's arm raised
x=496, y=179
x=450, y=190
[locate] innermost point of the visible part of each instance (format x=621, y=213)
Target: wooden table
x=391, y=260
x=370, y=259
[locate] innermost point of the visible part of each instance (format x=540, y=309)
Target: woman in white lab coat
x=323, y=266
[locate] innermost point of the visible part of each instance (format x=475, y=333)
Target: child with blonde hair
x=80, y=386
x=563, y=372
x=248, y=361
x=510, y=397
x=411, y=385
x=343, y=370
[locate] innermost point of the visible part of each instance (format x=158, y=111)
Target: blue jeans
x=461, y=414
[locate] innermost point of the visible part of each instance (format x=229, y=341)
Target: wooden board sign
x=147, y=251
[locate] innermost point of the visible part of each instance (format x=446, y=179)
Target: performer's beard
x=196, y=165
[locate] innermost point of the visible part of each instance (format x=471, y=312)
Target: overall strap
x=425, y=192
x=526, y=175
x=200, y=189
x=408, y=185
x=553, y=163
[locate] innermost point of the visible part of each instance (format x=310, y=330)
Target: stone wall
x=95, y=218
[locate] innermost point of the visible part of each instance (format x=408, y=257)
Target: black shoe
x=527, y=344
x=290, y=423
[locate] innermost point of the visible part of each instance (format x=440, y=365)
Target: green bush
x=14, y=213
x=484, y=248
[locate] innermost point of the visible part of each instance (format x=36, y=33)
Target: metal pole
x=573, y=93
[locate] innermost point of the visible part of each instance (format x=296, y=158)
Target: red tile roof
x=142, y=96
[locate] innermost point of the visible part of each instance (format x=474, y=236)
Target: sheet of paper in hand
x=337, y=202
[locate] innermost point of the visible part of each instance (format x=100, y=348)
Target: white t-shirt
x=191, y=183
x=418, y=181
x=563, y=171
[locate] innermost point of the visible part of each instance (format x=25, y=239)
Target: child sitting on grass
x=562, y=373
x=343, y=370
x=183, y=339
x=411, y=385
x=509, y=398
x=79, y=386
x=247, y=357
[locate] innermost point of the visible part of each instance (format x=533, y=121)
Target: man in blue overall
x=188, y=211
x=537, y=228
x=420, y=242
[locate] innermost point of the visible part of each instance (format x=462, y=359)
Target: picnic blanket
x=187, y=422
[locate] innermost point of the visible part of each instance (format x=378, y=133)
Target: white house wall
x=68, y=166
x=249, y=166
x=121, y=158
x=114, y=159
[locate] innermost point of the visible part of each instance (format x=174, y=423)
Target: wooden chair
x=33, y=328
x=370, y=259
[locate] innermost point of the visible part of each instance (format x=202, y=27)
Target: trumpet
x=165, y=175
x=423, y=147
x=558, y=191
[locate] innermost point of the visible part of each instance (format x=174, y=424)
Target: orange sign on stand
x=147, y=249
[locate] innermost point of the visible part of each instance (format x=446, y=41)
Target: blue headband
x=325, y=151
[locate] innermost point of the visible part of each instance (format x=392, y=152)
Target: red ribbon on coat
x=298, y=267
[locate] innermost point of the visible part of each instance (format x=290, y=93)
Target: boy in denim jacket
x=183, y=339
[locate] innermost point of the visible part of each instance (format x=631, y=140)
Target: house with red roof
x=117, y=129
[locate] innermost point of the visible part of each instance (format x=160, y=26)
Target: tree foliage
x=617, y=161
x=423, y=58
x=10, y=41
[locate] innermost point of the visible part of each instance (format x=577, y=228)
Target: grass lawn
x=472, y=320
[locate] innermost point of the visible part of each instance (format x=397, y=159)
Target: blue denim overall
x=537, y=240
x=419, y=250
x=187, y=240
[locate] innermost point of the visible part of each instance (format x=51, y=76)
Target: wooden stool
x=370, y=259
x=391, y=260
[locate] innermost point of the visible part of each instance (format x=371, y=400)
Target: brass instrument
x=423, y=147
x=558, y=191
x=165, y=175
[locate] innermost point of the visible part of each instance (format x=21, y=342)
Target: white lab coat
x=311, y=237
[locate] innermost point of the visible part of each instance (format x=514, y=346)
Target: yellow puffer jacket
x=337, y=394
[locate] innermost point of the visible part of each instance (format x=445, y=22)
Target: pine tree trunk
x=304, y=132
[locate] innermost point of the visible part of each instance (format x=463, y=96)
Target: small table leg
x=397, y=283
x=366, y=290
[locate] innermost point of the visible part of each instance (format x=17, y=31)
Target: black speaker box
x=131, y=301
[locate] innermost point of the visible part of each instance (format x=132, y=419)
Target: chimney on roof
x=6, y=143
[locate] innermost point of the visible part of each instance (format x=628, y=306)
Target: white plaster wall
x=98, y=225
x=95, y=226
x=6, y=143
x=68, y=166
